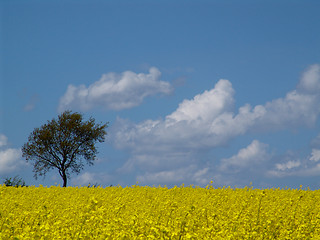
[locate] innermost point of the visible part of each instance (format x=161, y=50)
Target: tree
x=64, y=144
x=15, y=182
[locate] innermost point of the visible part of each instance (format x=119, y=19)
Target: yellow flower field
x=158, y=213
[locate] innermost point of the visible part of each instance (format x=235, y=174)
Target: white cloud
x=10, y=160
x=296, y=109
x=190, y=174
x=91, y=178
x=84, y=179
x=115, y=91
x=310, y=81
x=308, y=172
x=296, y=170
x=253, y=154
x=288, y=165
x=206, y=106
x=208, y=120
x=315, y=155
x=161, y=147
x=3, y=140
x=306, y=167
x=160, y=160
x=187, y=127
x=294, y=165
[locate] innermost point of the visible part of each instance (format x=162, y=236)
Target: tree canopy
x=64, y=144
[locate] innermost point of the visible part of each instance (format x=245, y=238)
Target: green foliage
x=64, y=144
x=15, y=182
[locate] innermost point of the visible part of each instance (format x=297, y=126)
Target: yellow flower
x=158, y=213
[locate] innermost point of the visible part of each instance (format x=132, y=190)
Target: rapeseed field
x=138, y=212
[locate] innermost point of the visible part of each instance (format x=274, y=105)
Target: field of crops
x=158, y=213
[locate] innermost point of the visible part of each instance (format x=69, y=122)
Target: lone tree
x=64, y=144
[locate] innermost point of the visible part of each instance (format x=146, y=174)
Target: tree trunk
x=64, y=177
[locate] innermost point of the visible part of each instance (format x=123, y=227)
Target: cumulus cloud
x=315, y=155
x=208, y=121
x=288, y=165
x=297, y=166
x=310, y=80
x=206, y=106
x=10, y=158
x=253, y=154
x=189, y=127
x=115, y=91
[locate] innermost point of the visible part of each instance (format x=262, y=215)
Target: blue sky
x=194, y=90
